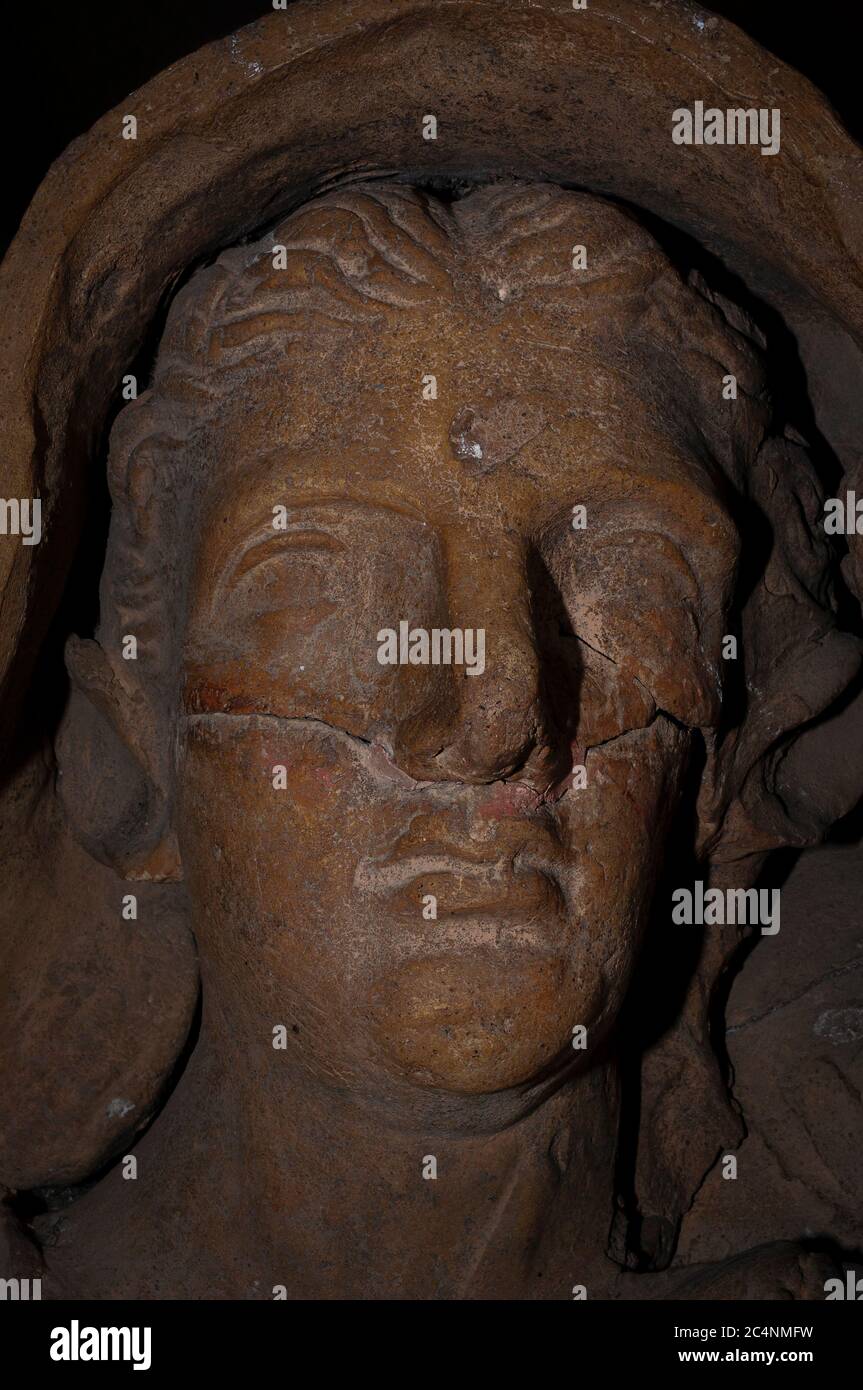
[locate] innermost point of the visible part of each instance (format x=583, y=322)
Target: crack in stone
x=637, y=729
x=280, y=719
x=376, y=745
x=547, y=796
x=576, y=638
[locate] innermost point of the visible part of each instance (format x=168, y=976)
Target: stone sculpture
x=428, y=537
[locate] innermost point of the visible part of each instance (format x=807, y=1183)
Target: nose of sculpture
x=497, y=734
x=494, y=727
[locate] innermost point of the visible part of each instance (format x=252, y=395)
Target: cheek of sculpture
x=310, y=901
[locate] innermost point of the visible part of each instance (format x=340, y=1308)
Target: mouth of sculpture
x=472, y=898
x=462, y=890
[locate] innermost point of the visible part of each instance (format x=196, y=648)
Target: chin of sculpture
x=409, y=696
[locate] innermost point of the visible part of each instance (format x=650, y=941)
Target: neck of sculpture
x=349, y=1200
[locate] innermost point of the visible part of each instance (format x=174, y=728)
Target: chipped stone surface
x=404, y=1037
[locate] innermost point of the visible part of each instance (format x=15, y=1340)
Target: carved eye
x=284, y=542
x=632, y=596
x=284, y=571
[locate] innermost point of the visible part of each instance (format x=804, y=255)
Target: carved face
x=396, y=861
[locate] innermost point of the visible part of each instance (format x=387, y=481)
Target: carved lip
x=458, y=898
x=464, y=887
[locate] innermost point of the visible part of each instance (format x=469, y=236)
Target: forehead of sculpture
x=383, y=321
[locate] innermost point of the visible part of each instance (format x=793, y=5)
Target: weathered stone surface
x=277, y=794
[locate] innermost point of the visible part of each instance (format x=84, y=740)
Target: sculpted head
x=292, y=484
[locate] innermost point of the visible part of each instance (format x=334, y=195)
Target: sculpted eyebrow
x=702, y=563
x=265, y=544
x=262, y=539
x=299, y=530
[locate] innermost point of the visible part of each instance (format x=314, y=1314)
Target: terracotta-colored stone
x=399, y=349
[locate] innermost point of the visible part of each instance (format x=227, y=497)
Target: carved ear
x=111, y=795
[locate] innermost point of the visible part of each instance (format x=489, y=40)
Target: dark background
x=74, y=61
